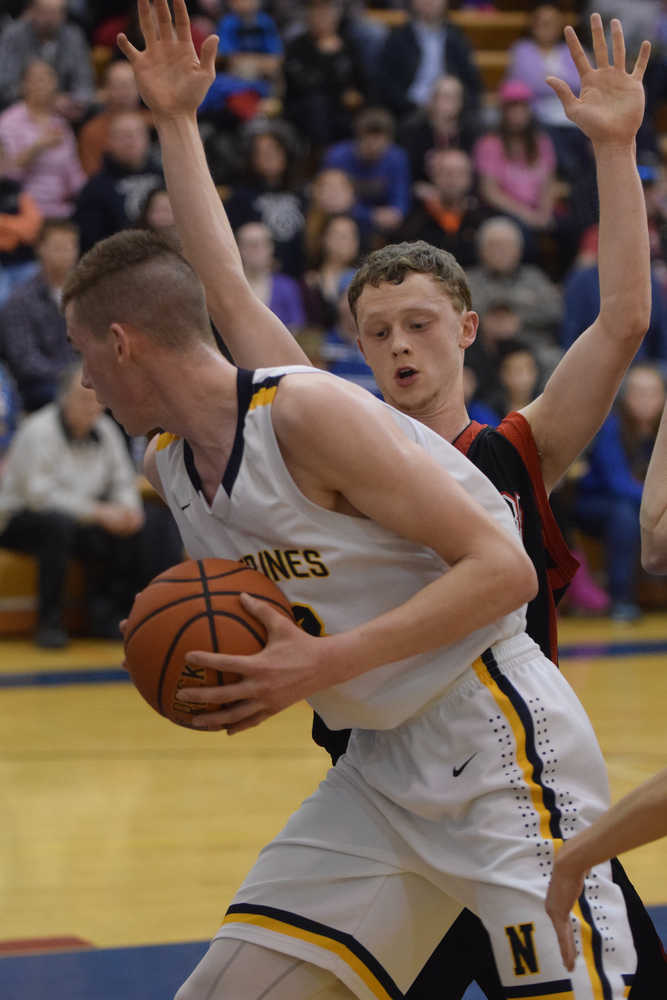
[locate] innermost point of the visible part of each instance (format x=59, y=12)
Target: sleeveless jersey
x=508, y=456
x=336, y=570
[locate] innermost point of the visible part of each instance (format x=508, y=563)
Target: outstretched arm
x=653, y=511
x=173, y=81
x=580, y=392
x=637, y=819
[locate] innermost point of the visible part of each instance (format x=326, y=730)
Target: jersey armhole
x=516, y=429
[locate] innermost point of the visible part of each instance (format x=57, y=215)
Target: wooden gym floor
x=123, y=836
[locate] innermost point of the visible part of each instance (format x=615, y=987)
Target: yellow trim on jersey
x=510, y=713
x=164, y=440
x=329, y=944
x=587, y=948
x=263, y=396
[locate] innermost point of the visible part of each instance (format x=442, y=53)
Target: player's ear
x=361, y=347
x=121, y=342
x=469, y=324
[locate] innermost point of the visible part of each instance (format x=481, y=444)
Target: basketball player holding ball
x=532, y=450
x=409, y=563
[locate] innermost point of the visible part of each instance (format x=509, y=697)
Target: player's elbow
x=654, y=554
x=519, y=579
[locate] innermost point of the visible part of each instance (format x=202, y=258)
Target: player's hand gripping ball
x=194, y=605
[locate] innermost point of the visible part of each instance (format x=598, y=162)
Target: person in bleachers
x=532, y=59
x=379, y=169
x=112, y=198
x=250, y=57
x=40, y=146
x=581, y=295
x=267, y=191
x=501, y=274
x=331, y=193
x=337, y=256
x=10, y=412
x=444, y=123
x=20, y=223
x=280, y=292
x=608, y=496
x=340, y=350
x=33, y=338
x=417, y=53
x=156, y=212
x=447, y=211
x=43, y=32
x=516, y=165
x=69, y=489
x=324, y=76
x=119, y=93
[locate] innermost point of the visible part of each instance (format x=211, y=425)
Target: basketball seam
x=197, y=597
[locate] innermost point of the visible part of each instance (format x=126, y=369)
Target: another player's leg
x=239, y=970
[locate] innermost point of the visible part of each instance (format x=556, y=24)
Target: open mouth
x=405, y=374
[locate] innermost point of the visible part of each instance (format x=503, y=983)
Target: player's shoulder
x=312, y=402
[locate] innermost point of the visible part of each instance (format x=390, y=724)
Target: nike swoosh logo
x=185, y=507
x=457, y=770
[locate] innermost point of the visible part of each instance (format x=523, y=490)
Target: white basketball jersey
x=337, y=571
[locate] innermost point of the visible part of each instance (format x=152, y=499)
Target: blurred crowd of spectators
x=332, y=128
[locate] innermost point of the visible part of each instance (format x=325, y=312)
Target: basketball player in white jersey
x=464, y=770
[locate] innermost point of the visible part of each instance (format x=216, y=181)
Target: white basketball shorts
x=462, y=806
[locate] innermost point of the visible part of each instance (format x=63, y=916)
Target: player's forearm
x=623, y=248
x=206, y=235
x=653, y=511
x=638, y=818
x=253, y=334
x=501, y=580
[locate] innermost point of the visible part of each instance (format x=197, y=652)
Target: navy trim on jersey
x=244, y=391
x=313, y=927
x=548, y=797
x=556, y=986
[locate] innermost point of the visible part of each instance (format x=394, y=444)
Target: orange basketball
x=194, y=605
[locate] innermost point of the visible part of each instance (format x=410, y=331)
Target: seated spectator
x=44, y=34
x=340, y=349
x=40, y=145
x=501, y=274
x=581, y=296
x=156, y=212
x=519, y=377
x=33, y=337
x=268, y=192
x=10, y=412
x=324, y=76
x=69, y=490
x=250, y=55
x=442, y=124
x=279, y=292
x=379, y=170
x=499, y=325
x=417, y=53
x=331, y=194
x=340, y=249
x=112, y=198
x=119, y=93
x=20, y=223
x=608, y=496
x=477, y=409
x=447, y=212
x=531, y=60
x=516, y=164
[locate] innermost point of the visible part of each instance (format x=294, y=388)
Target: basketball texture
x=193, y=606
